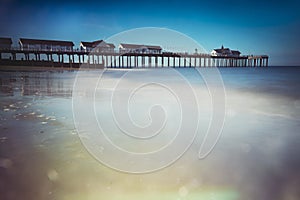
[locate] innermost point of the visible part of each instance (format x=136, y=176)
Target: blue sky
x=253, y=27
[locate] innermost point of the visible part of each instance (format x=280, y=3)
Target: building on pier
x=46, y=45
x=225, y=52
x=5, y=43
x=139, y=48
x=98, y=46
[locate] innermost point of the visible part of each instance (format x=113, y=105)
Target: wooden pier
x=76, y=58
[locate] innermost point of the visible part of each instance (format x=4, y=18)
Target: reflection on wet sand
x=56, y=84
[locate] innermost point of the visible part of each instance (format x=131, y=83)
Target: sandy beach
x=42, y=156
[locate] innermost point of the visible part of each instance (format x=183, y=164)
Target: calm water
x=257, y=156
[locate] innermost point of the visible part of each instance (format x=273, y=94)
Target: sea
x=156, y=121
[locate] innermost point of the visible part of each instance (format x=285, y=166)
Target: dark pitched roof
x=227, y=51
x=153, y=47
x=87, y=44
x=96, y=43
x=235, y=52
x=5, y=40
x=91, y=44
x=46, y=42
x=140, y=46
x=110, y=45
x=223, y=50
x=130, y=46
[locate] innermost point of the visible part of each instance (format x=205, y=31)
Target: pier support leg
x=130, y=61
x=143, y=61
x=260, y=62
x=149, y=61
x=115, y=61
